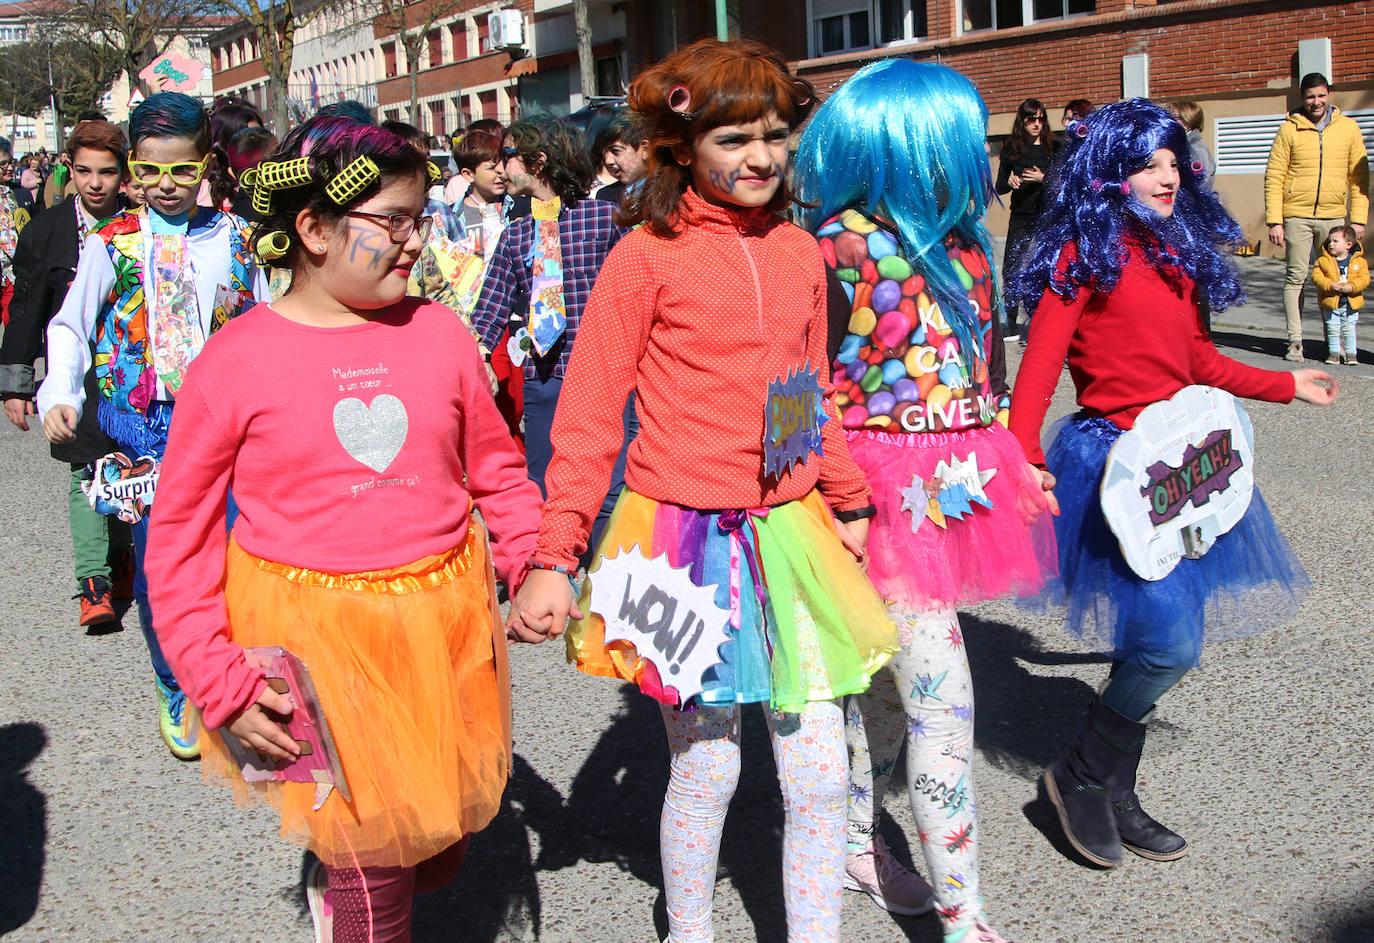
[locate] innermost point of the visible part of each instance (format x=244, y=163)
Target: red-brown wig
x=734, y=82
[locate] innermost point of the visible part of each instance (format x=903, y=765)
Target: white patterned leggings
x=923, y=698
x=809, y=750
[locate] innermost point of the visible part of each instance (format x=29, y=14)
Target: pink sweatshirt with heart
x=347, y=449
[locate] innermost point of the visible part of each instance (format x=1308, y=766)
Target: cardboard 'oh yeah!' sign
x=1179, y=479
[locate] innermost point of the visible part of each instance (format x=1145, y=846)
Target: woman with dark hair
x=1025, y=158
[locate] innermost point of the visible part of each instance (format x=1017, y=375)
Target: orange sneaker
x=95, y=601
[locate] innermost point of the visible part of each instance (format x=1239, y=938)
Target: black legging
x=1018, y=240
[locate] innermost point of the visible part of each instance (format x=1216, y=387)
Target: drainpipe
x=722, y=26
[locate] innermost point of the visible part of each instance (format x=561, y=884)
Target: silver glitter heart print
x=372, y=435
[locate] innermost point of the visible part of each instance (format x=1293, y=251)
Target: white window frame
x=859, y=6
x=1027, y=16
x=852, y=44
x=909, y=34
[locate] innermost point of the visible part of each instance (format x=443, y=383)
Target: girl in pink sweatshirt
x=356, y=430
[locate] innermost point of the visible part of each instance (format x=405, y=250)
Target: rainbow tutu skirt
x=805, y=623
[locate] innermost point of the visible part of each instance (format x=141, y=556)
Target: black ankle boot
x=1139, y=832
x=1079, y=784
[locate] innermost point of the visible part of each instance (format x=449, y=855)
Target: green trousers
x=97, y=539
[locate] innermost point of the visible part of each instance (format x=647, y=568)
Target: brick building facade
x=1238, y=58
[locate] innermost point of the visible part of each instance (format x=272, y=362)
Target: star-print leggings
x=923, y=698
x=703, y=772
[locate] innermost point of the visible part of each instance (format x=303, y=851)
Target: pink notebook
x=318, y=762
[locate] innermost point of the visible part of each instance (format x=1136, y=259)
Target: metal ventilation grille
x=1243, y=143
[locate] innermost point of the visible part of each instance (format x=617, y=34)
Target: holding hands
x=541, y=608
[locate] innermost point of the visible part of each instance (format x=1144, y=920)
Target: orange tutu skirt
x=409, y=665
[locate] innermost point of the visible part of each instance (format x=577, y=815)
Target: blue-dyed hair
x=904, y=141
x=1088, y=203
x=347, y=108
x=171, y=115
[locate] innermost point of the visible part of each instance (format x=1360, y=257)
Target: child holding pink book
x=357, y=430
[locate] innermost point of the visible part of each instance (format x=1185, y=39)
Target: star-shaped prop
x=954, y=487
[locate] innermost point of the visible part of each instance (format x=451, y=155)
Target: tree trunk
x=279, y=72
x=277, y=75
x=413, y=66
x=586, y=64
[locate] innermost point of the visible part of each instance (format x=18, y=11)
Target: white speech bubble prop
x=657, y=608
x=1173, y=434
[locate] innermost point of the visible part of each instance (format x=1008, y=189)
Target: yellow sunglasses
x=183, y=172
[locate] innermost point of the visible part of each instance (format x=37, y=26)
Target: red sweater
x=348, y=449
x=1137, y=345
x=695, y=327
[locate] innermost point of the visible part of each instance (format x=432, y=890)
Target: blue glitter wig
x=170, y=115
x=904, y=141
x=1089, y=203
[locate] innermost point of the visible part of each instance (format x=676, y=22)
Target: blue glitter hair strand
x=171, y=115
x=1089, y=204
x=905, y=141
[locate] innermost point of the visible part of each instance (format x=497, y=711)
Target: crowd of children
x=361, y=397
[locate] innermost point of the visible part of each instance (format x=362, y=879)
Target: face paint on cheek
x=368, y=244
x=724, y=181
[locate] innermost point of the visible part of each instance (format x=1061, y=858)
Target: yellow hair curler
x=352, y=180
x=283, y=174
x=273, y=245
x=262, y=201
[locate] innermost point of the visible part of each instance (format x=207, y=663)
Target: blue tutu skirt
x=1250, y=580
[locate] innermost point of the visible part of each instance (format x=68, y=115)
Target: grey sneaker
x=892, y=887
x=1294, y=352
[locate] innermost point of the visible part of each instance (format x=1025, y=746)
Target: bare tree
x=275, y=25
x=52, y=69
x=411, y=22
x=136, y=31
x=586, y=62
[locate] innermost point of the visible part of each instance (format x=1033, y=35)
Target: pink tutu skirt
x=980, y=533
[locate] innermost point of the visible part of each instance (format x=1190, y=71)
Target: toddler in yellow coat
x=1341, y=275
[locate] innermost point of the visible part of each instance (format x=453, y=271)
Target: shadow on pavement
x=23, y=812
x=1255, y=343
x=611, y=813
x=1022, y=720
x=1354, y=926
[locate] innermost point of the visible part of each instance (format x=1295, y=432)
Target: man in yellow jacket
x=1317, y=165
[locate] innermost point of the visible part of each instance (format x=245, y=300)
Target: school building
x=1240, y=59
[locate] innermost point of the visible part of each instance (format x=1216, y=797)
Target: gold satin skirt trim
x=422, y=574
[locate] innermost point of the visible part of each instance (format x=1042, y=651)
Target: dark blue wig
x=905, y=141
x=1089, y=203
x=170, y=115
